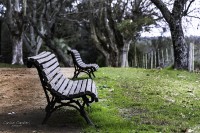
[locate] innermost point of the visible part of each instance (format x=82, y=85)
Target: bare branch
x=187, y=9
x=163, y=8
x=191, y=16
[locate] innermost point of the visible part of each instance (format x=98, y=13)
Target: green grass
x=138, y=100
x=5, y=65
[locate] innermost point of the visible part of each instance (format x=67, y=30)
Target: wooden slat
x=94, y=90
x=89, y=86
x=59, y=83
x=77, y=56
x=69, y=86
x=78, y=59
x=82, y=64
x=45, y=59
x=63, y=86
x=55, y=79
x=53, y=73
x=73, y=88
x=41, y=55
x=49, y=63
x=51, y=68
x=78, y=88
x=83, y=87
x=74, y=51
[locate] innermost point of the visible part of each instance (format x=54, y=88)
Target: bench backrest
x=77, y=60
x=48, y=69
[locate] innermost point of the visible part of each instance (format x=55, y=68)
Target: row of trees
x=110, y=25
x=157, y=52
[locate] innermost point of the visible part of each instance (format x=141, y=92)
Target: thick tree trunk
x=113, y=60
x=17, y=50
x=123, y=58
x=15, y=25
x=179, y=45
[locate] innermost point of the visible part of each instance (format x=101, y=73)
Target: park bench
x=59, y=90
x=80, y=66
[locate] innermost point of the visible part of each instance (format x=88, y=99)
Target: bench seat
x=58, y=88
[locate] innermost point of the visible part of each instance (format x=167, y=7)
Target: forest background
x=107, y=32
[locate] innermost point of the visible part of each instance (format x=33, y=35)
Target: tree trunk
x=15, y=25
x=17, y=50
x=135, y=56
x=151, y=59
x=179, y=45
x=123, y=55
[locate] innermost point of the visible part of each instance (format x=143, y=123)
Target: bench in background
x=59, y=90
x=80, y=66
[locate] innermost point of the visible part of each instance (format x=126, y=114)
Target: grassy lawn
x=5, y=65
x=138, y=100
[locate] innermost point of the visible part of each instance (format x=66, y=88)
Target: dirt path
x=22, y=104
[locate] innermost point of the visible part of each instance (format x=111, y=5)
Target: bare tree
x=32, y=40
x=174, y=20
x=114, y=26
x=51, y=10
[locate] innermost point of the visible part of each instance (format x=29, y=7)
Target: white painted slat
x=59, y=83
x=63, y=86
x=41, y=55
x=78, y=88
x=68, y=88
x=55, y=79
x=45, y=59
x=89, y=86
x=49, y=63
x=83, y=87
x=73, y=88
x=51, y=68
x=53, y=73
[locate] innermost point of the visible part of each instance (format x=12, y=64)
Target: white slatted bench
x=80, y=66
x=59, y=90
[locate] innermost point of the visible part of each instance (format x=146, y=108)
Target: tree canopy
x=110, y=26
